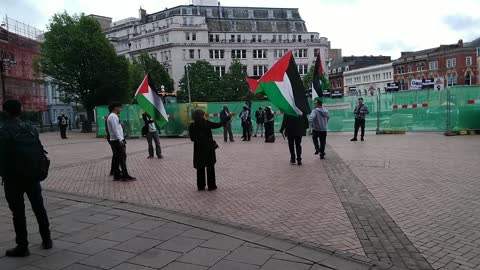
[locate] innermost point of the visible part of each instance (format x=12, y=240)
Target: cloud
x=462, y=23
x=25, y=11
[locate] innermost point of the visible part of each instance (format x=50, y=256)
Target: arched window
x=468, y=78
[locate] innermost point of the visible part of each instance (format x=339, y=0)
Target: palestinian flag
x=320, y=81
x=283, y=85
x=151, y=103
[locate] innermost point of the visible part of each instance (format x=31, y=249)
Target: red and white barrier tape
x=473, y=101
x=410, y=106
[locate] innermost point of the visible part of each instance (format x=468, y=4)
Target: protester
x=360, y=111
x=227, y=129
x=21, y=169
x=294, y=128
x=117, y=140
x=152, y=135
x=62, y=125
x=260, y=119
x=245, y=117
x=319, y=118
x=269, y=125
x=204, y=149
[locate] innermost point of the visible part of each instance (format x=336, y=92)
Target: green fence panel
x=341, y=113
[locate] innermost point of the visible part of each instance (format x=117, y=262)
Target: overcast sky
x=359, y=27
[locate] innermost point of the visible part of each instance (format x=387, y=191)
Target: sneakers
x=17, y=252
x=354, y=140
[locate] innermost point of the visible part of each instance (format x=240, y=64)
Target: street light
x=187, y=71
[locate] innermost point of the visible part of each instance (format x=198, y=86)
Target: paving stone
x=183, y=266
x=198, y=234
x=137, y=245
x=162, y=233
x=7, y=263
x=71, y=226
x=121, y=235
x=146, y=224
x=97, y=218
x=177, y=226
x=108, y=259
x=60, y=260
x=129, y=266
x=340, y=263
x=275, y=243
x=287, y=257
x=203, y=256
x=274, y=264
x=223, y=242
x=250, y=255
x=81, y=236
x=181, y=244
x=320, y=267
x=231, y=265
x=29, y=267
x=108, y=226
x=155, y=258
x=58, y=246
x=308, y=253
x=94, y=246
x=248, y=235
x=77, y=266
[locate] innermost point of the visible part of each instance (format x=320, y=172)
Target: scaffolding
x=16, y=27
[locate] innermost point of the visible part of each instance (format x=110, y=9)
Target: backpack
x=29, y=159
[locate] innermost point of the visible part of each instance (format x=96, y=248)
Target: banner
x=416, y=85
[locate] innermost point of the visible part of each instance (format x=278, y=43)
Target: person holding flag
x=319, y=82
x=152, y=136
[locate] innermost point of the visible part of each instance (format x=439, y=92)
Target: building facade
x=55, y=107
x=368, y=80
x=257, y=37
x=453, y=64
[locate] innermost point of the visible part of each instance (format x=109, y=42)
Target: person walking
x=245, y=117
x=269, y=125
x=152, y=136
x=62, y=125
x=227, y=129
x=360, y=111
x=294, y=128
x=260, y=119
x=119, y=147
x=319, y=118
x=204, y=147
x=21, y=172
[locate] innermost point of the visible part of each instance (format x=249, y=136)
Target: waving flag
x=320, y=81
x=151, y=103
x=283, y=85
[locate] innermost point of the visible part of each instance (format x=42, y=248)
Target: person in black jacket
x=62, y=125
x=16, y=169
x=269, y=125
x=260, y=119
x=294, y=128
x=204, y=149
x=227, y=129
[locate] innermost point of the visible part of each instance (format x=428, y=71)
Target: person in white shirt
x=118, y=144
x=152, y=134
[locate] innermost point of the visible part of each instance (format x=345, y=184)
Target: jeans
x=210, y=177
x=14, y=192
x=322, y=135
x=227, y=130
x=359, y=123
x=154, y=136
x=259, y=126
x=295, y=145
x=119, y=159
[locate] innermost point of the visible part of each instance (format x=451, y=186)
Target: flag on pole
x=283, y=85
x=320, y=81
x=151, y=103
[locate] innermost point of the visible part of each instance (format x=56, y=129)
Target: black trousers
x=295, y=147
x=112, y=170
x=14, y=193
x=322, y=136
x=210, y=177
x=359, y=123
x=227, y=130
x=119, y=159
x=247, y=131
x=63, y=132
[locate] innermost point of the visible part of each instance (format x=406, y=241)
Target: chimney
x=460, y=43
x=142, y=14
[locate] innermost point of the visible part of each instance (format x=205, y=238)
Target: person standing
x=245, y=117
x=294, y=128
x=260, y=119
x=117, y=140
x=204, y=147
x=227, y=129
x=152, y=135
x=21, y=172
x=108, y=140
x=360, y=111
x=62, y=125
x=269, y=125
x=319, y=118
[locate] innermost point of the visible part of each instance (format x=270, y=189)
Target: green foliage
x=158, y=74
x=82, y=62
x=205, y=83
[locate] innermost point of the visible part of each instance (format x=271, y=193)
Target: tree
x=205, y=83
x=158, y=75
x=235, y=86
x=82, y=62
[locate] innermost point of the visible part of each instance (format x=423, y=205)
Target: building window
x=239, y=54
x=187, y=36
x=214, y=38
x=194, y=36
x=254, y=38
x=274, y=39
x=239, y=38
x=468, y=61
x=433, y=65
x=302, y=69
x=451, y=63
x=300, y=53
x=199, y=54
x=299, y=38
x=259, y=38
x=316, y=52
x=259, y=54
x=217, y=54
x=220, y=70
x=347, y=68
x=191, y=54
x=280, y=37
x=468, y=78
x=259, y=70
x=232, y=38
x=280, y=52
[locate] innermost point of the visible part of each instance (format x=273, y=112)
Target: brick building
x=453, y=64
x=336, y=67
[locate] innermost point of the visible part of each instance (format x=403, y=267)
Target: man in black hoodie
x=294, y=128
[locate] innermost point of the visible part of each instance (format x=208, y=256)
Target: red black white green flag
x=151, y=102
x=320, y=81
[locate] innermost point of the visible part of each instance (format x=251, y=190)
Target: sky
x=358, y=27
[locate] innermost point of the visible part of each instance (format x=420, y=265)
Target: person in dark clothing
x=18, y=180
x=204, y=147
x=260, y=119
x=112, y=171
x=62, y=125
x=360, y=111
x=227, y=129
x=294, y=128
x=152, y=136
x=269, y=125
x=247, y=130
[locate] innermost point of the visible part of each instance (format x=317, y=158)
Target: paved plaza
x=407, y=201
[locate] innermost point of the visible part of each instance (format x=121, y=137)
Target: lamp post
x=187, y=71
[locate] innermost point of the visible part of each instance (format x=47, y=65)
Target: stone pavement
x=93, y=234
